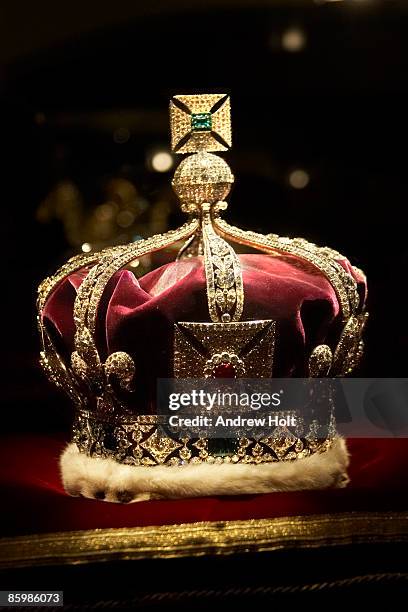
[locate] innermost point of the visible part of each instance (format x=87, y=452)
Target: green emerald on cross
x=201, y=122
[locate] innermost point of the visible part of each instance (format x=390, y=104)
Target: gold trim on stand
x=203, y=538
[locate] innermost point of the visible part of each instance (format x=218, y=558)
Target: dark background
x=85, y=92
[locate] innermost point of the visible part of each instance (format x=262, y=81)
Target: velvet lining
x=137, y=315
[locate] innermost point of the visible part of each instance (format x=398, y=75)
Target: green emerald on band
x=201, y=122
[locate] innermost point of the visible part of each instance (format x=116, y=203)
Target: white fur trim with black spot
x=112, y=481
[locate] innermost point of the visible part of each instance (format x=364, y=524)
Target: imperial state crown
x=210, y=301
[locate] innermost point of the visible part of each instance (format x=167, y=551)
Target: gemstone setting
x=224, y=370
x=201, y=122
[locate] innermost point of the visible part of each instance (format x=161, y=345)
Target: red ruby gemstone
x=224, y=370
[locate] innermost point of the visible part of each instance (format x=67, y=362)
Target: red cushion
x=33, y=499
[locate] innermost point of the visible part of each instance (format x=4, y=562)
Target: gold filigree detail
x=281, y=440
x=161, y=447
x=136, y=442
x=225, y=289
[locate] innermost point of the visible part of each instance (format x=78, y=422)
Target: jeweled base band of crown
x=140, y=442
x=107, y=479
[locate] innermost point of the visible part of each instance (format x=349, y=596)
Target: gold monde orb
x=203, y=177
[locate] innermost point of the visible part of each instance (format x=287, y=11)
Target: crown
x=216, y=302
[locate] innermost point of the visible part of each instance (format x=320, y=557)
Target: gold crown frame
x=200, y=126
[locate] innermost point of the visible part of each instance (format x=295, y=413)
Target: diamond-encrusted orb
x=203, y=177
